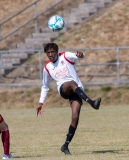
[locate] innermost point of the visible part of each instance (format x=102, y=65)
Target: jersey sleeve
x=72, y=56
x=45, y=86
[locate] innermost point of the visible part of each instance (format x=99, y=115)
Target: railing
x=35, y=18
x=117, y=63
x=99, y=70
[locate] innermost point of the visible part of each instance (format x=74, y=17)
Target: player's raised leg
x=72, y=86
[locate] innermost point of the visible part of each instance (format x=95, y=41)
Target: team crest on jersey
x=53, y=68
x=62, y=73
x=62, y=62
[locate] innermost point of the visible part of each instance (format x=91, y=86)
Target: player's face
x=52, y=54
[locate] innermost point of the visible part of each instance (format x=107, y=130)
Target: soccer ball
x=56, y=23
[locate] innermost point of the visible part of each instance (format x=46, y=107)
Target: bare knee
x=3, y=126
x=73, y=85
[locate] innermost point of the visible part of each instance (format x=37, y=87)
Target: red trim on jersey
x=46, y=68
x=61, y=53
x=69, y=60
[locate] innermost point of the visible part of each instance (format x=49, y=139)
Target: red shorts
x=1, y=118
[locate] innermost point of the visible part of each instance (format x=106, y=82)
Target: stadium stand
x=73, y=17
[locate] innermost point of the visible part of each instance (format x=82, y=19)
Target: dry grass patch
x=101, y=135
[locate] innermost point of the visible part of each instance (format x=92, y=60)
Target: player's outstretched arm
x=40, y=110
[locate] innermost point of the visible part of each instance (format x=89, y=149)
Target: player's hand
x=40, y=110
x=79, y=54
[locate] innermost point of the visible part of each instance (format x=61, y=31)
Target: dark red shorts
x=1, y=118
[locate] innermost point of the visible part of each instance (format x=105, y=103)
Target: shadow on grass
x=110, y=151
x=27, y=156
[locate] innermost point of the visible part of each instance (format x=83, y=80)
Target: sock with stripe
x=82, y=95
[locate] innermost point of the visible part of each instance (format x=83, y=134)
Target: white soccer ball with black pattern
x=56, y=23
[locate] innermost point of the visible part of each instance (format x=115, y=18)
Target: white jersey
x=63, y=70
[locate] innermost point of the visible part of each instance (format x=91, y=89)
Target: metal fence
x=102, y=66
x=34, y=17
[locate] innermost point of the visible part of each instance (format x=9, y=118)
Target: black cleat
x=65, y=150
x=96, y=103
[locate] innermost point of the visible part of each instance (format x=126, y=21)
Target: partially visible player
x=5, y=137
x=61, y=68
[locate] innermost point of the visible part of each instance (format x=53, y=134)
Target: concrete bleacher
x=36, y=43
x=92, y=6
x=15, y=55
x=49, y=35
x=47, y=30
x=71, y=20
x=89, y=7
x=105, y=1
x=2, y=71
x=13, y=61
x=45, y=35
x=81, y=13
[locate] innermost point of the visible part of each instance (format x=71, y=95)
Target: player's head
x=51, y=46
x=51, y=49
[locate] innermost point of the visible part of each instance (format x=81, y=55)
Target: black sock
x=82, y=95
x=70, y=135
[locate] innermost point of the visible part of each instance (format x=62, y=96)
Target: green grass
x=106, y=88
x=101, y=135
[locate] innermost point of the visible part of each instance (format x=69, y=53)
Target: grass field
x=101, y=135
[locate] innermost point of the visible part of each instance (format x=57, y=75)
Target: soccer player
x=5, y=137
x=61, y=68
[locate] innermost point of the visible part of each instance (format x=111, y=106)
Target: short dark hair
x=49, y=46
